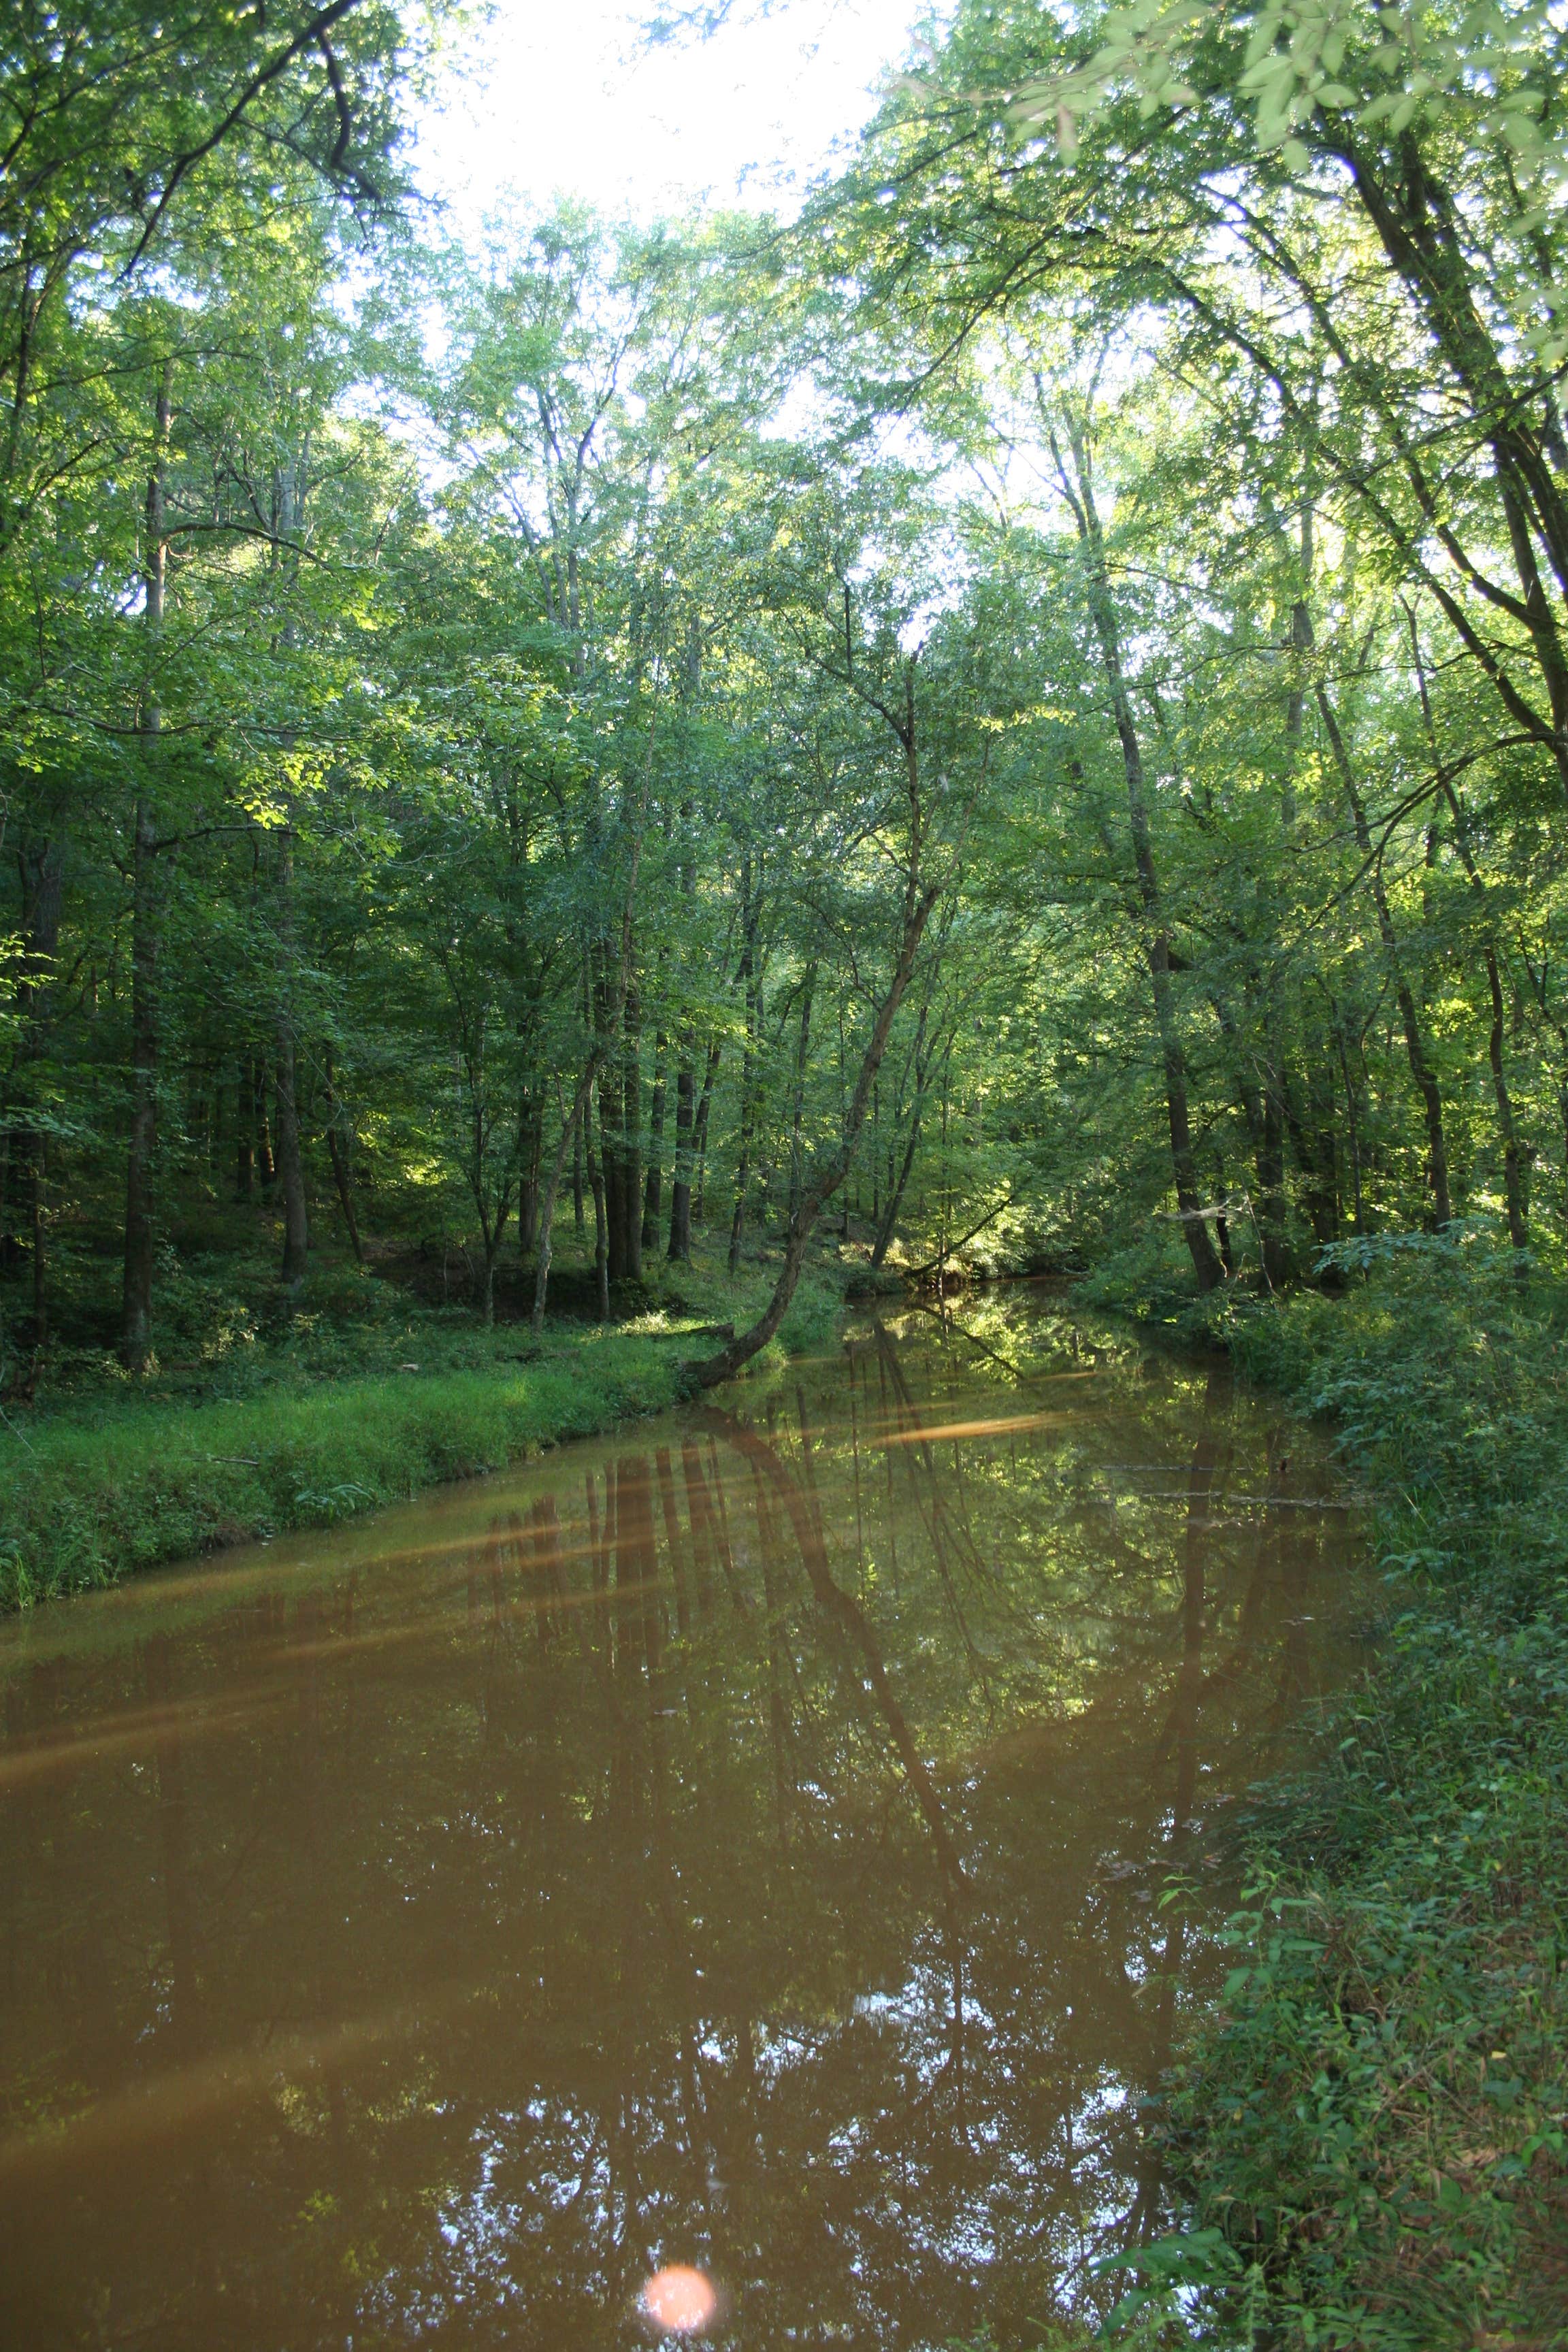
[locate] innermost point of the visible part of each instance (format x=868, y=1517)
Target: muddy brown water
x=739, y=1843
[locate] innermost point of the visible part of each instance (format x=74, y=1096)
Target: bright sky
x=551, y=96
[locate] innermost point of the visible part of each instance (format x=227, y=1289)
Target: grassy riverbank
x=1373, y=2133
x=355, y=1398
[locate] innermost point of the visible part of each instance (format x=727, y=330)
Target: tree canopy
x=1020, y=719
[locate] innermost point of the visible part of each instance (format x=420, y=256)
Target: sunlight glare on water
x=679, y=2300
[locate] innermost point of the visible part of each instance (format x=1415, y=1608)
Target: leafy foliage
x=1020, y=723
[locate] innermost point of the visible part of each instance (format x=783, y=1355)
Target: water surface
x=740, y=1844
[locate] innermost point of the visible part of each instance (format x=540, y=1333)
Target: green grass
x=1373, y=2133
x=250, y=1425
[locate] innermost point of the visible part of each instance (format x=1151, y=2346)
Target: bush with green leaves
x=1373, y=2132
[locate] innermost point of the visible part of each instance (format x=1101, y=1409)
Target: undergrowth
x=1373, y=2133
x=249, y=1425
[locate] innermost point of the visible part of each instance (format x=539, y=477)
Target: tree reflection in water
x=713, y=1850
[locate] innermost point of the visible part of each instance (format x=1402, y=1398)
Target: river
x=739, y=1842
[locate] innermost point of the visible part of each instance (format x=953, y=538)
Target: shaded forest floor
x=1374, y=2130
x=261, y=1414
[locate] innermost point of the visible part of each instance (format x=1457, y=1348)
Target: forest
x=617, y=780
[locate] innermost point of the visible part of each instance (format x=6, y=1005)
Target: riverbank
x=1373, y=2131
x=344, y=1408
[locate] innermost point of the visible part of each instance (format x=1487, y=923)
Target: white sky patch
x=540, y=100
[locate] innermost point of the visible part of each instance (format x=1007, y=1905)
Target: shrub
x=1375, y=2124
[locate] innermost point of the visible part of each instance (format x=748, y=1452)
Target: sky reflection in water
x=728, y=1852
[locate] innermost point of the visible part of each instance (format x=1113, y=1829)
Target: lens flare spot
x=680, y=2300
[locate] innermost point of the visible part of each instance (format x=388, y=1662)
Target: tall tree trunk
x=1080, y=493
x=1512, y=1177
x=1315, y=1141
x=1418, y=225
x=290, y=1162
x=136, y=1301
x=743, y=1159
x=679, y=1245
x=40, y=1243
x=700, y=1125
x=685, y=1113
x=798, y=1109
x=653, y=1188
x=920, y=898
x=815, y=1195
x=601, y=1221
x=290, y=506
x=1274, y=1105
x=267, y=1167
x=1277, y=1260
x=338, y=1135
x=570, y=1138
x=615, y=1205
x=1513, y=1182
x=490, y=1242
x=631, y=1143
x=609, y=1161
x=43, y=875
x=890, y=1213
x=244, y=1134
x=136, y=1314
x=1421, y=1070
x=751, y=978
x=530, y=1130
x=845, y=1203
x=1354, y=1123
x=920, y=1066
